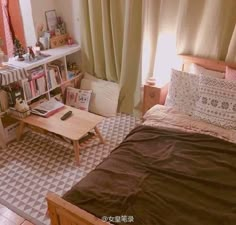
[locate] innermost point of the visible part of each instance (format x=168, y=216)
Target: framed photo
x=51, y=19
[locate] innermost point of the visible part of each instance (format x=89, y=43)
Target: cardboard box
x=10, y=126
x=10, y=131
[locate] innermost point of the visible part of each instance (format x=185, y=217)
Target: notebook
x=47, y=108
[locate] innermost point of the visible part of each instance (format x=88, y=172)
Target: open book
x=47, y=108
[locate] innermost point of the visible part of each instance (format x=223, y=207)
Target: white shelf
x=55, y=53
x=31, y=99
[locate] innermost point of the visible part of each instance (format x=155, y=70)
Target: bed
x=173, y=169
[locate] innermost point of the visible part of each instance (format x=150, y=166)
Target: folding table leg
x=99, y=135
x=76, y=150
x=20, y=130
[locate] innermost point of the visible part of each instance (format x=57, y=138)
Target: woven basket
x=15, y=113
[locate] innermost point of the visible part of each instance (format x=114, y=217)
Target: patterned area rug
x=38, y=164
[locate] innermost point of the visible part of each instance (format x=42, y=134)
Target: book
x=60, y=65
x=47, y=108
x=57, y=72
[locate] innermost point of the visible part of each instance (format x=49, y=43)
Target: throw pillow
x=78, y=98
x=217, y=102
x=104, y=99
x=183, y=91
x=230, y=73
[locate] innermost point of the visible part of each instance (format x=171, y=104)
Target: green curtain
x=111, y=40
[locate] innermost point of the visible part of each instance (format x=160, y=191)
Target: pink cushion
x=230, y=74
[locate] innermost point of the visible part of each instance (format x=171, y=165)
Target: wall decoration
x=51, y=19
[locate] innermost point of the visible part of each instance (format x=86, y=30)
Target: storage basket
x=15, y=113
x=58, y=41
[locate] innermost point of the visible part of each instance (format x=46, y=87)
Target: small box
x=10, y=132
x=58, y=41
x=10, y=126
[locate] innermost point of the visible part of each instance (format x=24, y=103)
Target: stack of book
x=36, y=84
x=54, y=76
x=60, y=67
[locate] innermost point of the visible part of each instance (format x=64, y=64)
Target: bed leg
x=51, y=212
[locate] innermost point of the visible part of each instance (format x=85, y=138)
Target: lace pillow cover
x=217, y=102
x=183, y=91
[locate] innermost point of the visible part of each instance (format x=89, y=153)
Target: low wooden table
x=73, y=128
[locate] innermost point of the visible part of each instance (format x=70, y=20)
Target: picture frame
x=51, y=19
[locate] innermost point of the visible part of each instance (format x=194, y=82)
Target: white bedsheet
x=167, y=117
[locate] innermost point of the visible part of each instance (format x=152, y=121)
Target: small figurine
x=21, y=105
x=31, y=53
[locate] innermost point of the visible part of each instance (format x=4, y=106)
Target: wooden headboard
x=153, y=95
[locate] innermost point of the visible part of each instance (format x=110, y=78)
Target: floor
x=8, y=217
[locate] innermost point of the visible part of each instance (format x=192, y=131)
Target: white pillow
x=183, y=91
x=78, y=98
x=199, y=70
x=217, y=102
x=104, y=99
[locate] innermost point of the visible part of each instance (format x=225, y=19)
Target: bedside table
x=151, y=96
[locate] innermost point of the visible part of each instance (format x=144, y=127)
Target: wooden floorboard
x=8, y=217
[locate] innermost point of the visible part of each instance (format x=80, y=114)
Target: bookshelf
x=46, y=75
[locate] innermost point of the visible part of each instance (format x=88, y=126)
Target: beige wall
x=39, y=8
x=68, y=10
x=33, y=13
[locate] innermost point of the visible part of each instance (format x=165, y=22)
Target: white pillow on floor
x=105, y=95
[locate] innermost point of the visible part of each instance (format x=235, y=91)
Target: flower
x=40, y=31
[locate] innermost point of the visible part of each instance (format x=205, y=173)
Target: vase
x=40, y=45
x=20, y=57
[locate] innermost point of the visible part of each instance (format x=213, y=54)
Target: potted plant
x=18, y=50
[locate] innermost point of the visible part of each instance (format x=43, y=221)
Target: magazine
x=47, y=108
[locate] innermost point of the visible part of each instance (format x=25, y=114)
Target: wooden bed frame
x=62, y=212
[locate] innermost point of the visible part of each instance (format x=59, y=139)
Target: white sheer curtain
x=203, y=28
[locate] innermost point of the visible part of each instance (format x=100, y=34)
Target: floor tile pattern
x=38, y=164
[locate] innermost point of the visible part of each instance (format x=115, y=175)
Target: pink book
x=32, y=87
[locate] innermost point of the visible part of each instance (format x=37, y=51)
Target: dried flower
x=40, y=31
